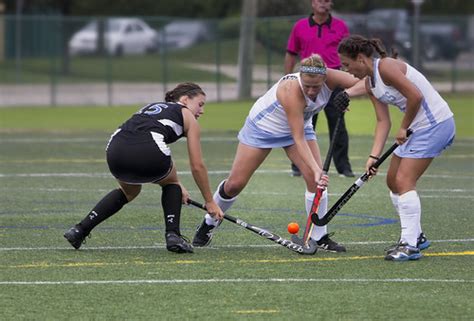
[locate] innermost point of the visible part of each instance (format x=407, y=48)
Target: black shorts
x=135, y=158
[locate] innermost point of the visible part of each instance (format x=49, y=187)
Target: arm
x=198, y=169
x=382, y=129
x=339, y=78
x=358, y=89
x=393, y=74
x=291, y=98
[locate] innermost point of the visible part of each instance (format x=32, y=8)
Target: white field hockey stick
x=311, y=248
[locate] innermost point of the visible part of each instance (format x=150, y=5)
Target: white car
x=121, y=36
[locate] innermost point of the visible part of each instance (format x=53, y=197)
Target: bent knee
x=233, y=187
x=131, y=192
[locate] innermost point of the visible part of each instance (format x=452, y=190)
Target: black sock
x=171, y=202
x=107, y=206
x=222, y=193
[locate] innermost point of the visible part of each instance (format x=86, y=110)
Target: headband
x=313, y=70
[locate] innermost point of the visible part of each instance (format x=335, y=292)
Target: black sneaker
x=203, y=234
x=326, y=244
x=347, y=173
x=177, y=243
x=76, y=236
x=295, y=171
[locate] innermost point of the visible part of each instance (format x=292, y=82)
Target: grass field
x=52, y=172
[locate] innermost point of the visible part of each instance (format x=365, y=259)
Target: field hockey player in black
x=138, y=153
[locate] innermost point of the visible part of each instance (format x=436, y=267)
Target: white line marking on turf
x=161, y=246
x=215, y=172
x=193, y=281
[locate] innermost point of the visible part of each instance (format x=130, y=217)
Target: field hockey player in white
x=393, y=82
x=281, y=118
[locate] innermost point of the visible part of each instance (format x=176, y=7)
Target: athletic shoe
x=403, y=252
x=326, y=244
x=76, y=236
x=203, y=234
x=347, y=173
x=295, y=171
x=422, y=242
x=177, y=243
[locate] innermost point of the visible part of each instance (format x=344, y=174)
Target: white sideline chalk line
x=161, y=246
x=215, y=172
x=466, y=141
x=194, y=281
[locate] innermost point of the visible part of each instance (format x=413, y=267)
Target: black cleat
x=76, y=236
x=326, y=244
x=203, y=234
x=177, y=243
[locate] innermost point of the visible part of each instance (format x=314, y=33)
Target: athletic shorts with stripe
x=136, y=158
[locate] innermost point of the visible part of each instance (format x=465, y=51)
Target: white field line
x=161, y=246
x=91, y=190
x=31, y=140
x=215, y=172
x=267, y=280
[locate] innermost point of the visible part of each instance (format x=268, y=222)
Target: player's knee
x=233, y=187
x=132, y=192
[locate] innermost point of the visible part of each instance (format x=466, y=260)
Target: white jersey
x=268, y=114
x=433, y=110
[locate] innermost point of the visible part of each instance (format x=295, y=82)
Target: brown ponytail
x=353, y=45
x=189, y=89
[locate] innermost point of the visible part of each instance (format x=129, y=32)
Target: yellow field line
x=187, y=262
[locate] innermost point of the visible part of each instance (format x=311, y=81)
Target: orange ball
x=293, y=228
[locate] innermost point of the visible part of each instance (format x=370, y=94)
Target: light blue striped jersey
x=268, y=114
x=433, y=110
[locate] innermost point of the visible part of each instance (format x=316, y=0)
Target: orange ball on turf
x=293, y=228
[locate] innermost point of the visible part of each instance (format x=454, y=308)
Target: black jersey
x=163, y=118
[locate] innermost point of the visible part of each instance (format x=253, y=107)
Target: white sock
x=318, y=231
x=394, y=197
x=410, y=214
x=223, y=203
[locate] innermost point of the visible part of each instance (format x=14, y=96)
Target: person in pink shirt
x=321, y=33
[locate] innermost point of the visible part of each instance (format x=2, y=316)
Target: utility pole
x=246, y=48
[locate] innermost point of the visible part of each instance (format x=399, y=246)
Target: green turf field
x=52, y=172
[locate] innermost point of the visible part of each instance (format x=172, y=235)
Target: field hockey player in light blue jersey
x=393, y=82
x=281, y=118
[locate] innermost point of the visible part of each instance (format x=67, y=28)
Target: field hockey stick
x=352, y=190
x=310, y=249
x=319, y=191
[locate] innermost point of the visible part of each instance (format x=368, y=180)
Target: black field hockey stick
x=352, y=190
x=340, y=101
x=301, y=249
x=319, y=191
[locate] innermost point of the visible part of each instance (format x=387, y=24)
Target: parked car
x=121, y=36
x=181, y=34
x=437, y=40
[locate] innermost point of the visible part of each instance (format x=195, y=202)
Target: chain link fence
x=55, y=60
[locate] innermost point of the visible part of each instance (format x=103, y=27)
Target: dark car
x=437, y=39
